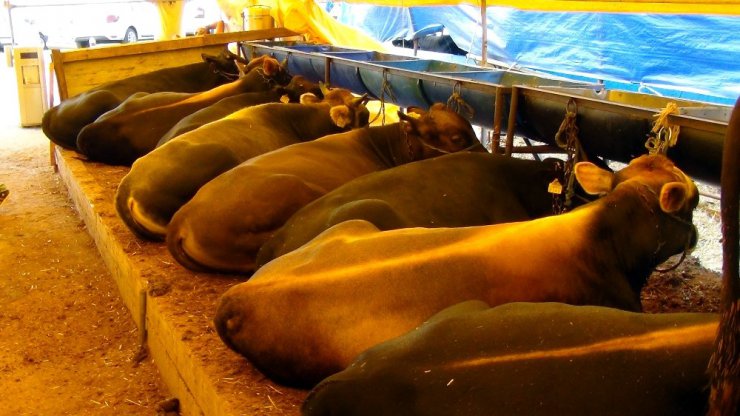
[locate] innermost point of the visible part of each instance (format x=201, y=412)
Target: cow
x=527, y=359
x=129, y=131
x=292, y=92
x=62, y=123
x=224, y=225
x=354, y=286
x=456, y=190
x=160, y=182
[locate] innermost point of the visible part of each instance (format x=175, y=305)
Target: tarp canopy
x=731, y=7
x=689, y=48
x=691, y=56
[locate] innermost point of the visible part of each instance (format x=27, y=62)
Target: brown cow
x=159, y=183
x=62, y=123
x=291, y=93
x=307, y=314
x=228, y=220
x=133, y=129
x=530, y=359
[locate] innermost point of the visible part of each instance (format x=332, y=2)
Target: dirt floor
x=68, y=346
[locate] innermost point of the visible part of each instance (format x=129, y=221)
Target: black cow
x=455, y=190
x=62, y=123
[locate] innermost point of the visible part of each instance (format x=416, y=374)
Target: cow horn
x=324, y=88
x=363, y=99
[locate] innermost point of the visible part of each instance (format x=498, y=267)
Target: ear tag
x=414, y=115
x=285, y=99
x=555, y=187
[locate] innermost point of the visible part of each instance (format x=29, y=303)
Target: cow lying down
x=455, y=190
x=228, y=220
x=354, y=286
x=291, y=93
x=133, y=129
x=527, y=359
x=159, y=183
x=62, y=123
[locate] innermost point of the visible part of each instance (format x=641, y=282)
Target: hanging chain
x=664, y=135
x=457, y=104
x=562, y=198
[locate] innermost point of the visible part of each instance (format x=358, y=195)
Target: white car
x=81, y=25
x=115, y=23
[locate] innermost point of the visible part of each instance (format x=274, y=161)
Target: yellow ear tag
x=285, y=99
x=555, y=187
x=414, y=115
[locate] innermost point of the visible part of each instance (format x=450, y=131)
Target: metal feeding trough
x=611, y=124
x=616, y=124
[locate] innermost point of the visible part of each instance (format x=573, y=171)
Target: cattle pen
x=173, y=307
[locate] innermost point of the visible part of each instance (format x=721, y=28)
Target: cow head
x=438, y=131
x=225, y=63
x=270, y=69
x=298, y=86
x=347, y=110
x=659, y=184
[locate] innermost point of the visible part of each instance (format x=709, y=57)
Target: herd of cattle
x=401, y=268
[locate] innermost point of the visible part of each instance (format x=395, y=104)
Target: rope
x=567, y=139
x=457, y=104
x=664, y=135
x=385, y=88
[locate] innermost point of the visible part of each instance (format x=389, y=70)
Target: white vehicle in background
x=115, y=23
x=82, y=23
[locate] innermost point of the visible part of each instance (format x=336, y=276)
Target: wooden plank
x=79, y=70
x=84, y=75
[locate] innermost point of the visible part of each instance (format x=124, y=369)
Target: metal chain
x=562, y=200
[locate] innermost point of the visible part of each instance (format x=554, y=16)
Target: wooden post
x=510, y=127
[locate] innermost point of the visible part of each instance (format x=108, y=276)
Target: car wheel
x=131, y=36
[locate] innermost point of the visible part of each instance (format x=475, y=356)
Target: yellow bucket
x=258, y=17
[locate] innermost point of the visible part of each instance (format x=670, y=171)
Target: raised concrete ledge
x=175, y=305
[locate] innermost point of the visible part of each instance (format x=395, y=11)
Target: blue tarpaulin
x=686, y=56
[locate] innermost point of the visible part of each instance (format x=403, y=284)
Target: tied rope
x=664, y=135
x=385, y=88
x=567, y=139
x=457, y=104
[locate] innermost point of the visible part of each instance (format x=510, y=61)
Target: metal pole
x=484, y=37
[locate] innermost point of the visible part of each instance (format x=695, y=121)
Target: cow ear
x=672, y=196
x=341, y=115
x=308, y=98
x=270, y=67
x=593, y=179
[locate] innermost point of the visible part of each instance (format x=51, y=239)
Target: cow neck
x=634, y=229
x=307, y=121
x=390, y=144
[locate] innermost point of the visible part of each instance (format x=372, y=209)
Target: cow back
x=167, y=177
x=62, y=123
x=525, y=358
x=456, y=190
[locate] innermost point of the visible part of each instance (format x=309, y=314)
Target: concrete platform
x=173, y=305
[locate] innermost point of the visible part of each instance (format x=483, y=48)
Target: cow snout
x=228, y=322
